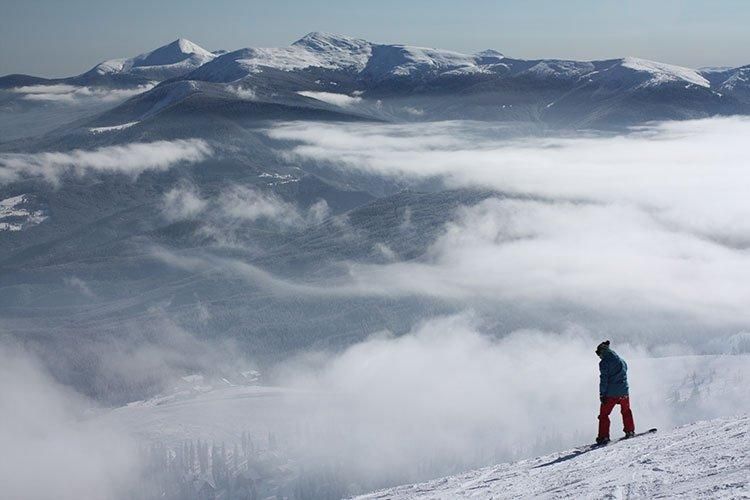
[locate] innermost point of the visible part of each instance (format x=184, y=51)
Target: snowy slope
x=708, y=459
x=169, y=61
x=392, y=82
x=659, y=73
x=315, y=50
x=382, y=61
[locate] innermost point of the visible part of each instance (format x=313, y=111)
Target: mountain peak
x=322, y=41
x=174, y=52
x=173, y=59
x=489, y=56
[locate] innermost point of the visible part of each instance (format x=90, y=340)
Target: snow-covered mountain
x=382, y=61
x=169, y=61
x=706, y=459
x=399, y=82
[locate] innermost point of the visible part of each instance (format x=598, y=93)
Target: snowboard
x=590, y=447
x=637, y=434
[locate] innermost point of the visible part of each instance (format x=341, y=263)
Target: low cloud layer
x=447, y=393
x=51, y=446
x=614, y=259
x=74, y=94
x=648, y=226
x=237, y=204
x=130, y=159
x=692, y=173
x=341, y=100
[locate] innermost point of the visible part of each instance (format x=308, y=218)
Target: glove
x=602, y=397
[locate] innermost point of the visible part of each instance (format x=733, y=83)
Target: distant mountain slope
x=701, y=460
x=354, y=77
x=169, y=61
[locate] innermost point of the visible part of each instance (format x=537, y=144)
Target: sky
x=53, y=38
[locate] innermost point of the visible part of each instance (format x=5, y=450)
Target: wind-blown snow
x=662, y=73
x=703, y=460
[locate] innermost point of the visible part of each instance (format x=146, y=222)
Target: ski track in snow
x=708, y=459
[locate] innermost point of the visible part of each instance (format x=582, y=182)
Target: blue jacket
x=613, y=375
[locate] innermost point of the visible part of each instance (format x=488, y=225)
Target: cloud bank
x=76, y=95
x=650, y=226
x=238, y=203
x=691, y=172
x=130, y=159
x=52, y=448
x=453, y=396
x=341, y=100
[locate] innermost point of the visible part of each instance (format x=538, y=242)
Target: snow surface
x=419, y=59
x=382, y=61
x=709, y=459
x=173, y=59
x=112, y=128
x=319, y=50
x=740, y=77
x=663, y=73
x=14, y=216
x=561, y=69
x=342, y=53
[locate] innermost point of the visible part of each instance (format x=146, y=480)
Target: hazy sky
x=62, y=38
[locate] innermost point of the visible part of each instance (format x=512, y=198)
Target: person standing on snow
x=613, y=390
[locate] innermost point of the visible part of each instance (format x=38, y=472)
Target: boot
x=602, y=441
x=629, y=435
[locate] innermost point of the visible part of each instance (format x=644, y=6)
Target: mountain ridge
x=358, y=79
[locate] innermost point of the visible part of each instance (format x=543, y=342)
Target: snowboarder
x=613, y=390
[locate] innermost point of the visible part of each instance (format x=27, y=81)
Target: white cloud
x=456, y=397
x=238, y=203
x=652, y=225
x=693, y=173
x=130, y=159
x=53, y=449
x=183, y=202
x=245, y=93
x=615, y=259
x=246, y=203
x=73, y=94
x=414, y=111
x=341, y=100
x=80, y=285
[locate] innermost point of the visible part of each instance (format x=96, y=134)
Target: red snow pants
x=607, y=407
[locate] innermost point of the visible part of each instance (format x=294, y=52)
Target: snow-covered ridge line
x=665, y=72
x=379, y=61
x=706, y=459
x=358, y=57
